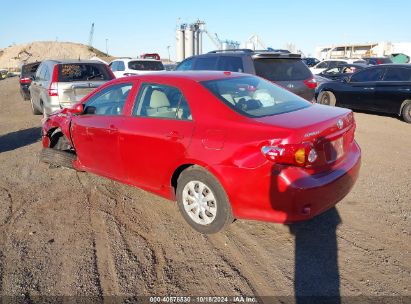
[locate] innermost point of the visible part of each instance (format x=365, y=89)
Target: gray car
x=59, y=84
x=280, y=67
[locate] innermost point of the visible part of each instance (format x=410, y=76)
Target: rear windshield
x=29, y=69
x=141, y=65
x=255, y=97
x=281, y=69
x=82, y=72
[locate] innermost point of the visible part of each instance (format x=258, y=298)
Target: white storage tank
x=180, y=45
x=188, y=42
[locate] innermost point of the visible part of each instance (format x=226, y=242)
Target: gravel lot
x=64, y=232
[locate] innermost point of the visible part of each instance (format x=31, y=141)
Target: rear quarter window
x=72, y=72
x=282, y=69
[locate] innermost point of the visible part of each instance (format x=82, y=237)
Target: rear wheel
x=406, y=113
x=34, y=110
x=327, y=98
x=202, y=201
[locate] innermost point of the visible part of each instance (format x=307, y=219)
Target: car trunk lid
x=330, y=130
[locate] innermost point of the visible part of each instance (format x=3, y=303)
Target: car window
x=70, y=72
x=185, y=65
x=145, y=65
x=255, y=97
x=230, y=63
x=368, y=75
x=110, y=101
x=113, y=66
x=121, y=66
x=206, y=63
x=46, y=74
x=322, y=65
x=282, y=69
x=398, y=74
x=161, y=101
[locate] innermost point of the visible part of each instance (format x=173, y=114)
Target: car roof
x=70, y=61
x=189, y=75
x=136, y=59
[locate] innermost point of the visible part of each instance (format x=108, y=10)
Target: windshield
x=141, y=65
x=255, y=97
x=282, y=69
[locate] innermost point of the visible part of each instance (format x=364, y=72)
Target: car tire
x=34, y=110
x=57, y=157
x=327, y=98
x=406, y=113
x=209, y=216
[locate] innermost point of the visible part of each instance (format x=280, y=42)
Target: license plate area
x=334, y=149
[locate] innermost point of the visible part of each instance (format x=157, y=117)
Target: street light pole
x=107, y=47
x=168, y=50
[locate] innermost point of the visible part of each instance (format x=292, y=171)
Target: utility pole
x=168, y=50
x=107, y=47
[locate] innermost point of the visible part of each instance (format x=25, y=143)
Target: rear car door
x=359, y=91
x=95, y=132
x=155, y=137
x=393, y=90
x=76, y=80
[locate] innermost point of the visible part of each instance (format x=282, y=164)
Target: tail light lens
x=25, y=80
x=378, y=61
x=302, y=155
x=311, y=83
x=53, y=90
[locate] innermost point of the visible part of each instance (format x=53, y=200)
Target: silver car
x=60, y=84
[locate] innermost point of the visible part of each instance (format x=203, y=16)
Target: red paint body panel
x=146, y=151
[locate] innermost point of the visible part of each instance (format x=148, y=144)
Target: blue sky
x=136, y=27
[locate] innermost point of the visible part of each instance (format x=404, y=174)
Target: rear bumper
x=289, y=194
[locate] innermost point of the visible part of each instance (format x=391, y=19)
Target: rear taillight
x=379, y=61
x=311, y=83
x=302, y=155
x=25, y=80
x=53, y=90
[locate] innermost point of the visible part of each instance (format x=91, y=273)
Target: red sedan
x=224, y=145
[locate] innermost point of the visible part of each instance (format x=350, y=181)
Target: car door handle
x=174, y=135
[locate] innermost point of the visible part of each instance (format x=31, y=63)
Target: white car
x=331, y=63
x=128, y=67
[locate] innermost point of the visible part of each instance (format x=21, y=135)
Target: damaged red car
x=223, y=145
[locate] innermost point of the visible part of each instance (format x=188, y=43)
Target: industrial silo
x=180, y=44
x=189, y=42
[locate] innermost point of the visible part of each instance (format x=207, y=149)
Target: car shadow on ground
x=18, y=139
x=316, y=276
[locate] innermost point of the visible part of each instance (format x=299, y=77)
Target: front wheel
x=202, y=201
x=327, y=98
x=406, y=113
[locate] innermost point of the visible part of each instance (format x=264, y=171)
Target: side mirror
x=77, y=110
x=33, y=77
x=346, y=79
x=90, y=110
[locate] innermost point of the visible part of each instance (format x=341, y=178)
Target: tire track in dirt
x=104, y=266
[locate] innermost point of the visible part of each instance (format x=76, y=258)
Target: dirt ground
x=65, y=233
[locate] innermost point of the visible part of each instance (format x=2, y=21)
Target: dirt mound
x=16, y=55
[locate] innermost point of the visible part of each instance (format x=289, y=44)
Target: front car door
x=95, y=132
x=359, y=91
x=155, y=138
